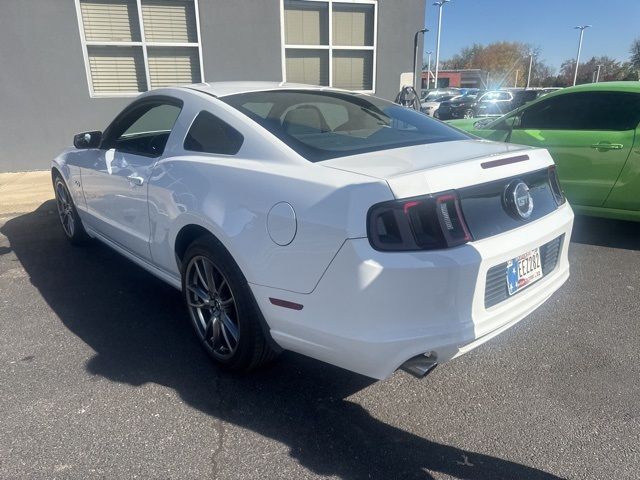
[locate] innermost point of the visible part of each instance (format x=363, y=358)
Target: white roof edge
x=222, y=89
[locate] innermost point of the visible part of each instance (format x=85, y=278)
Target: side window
x=584, y=111
x=144, y=128
x=613, y=111
x=159, y=118
x=558, y=113
x=209, y=134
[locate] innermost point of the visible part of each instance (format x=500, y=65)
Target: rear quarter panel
x=232, y=197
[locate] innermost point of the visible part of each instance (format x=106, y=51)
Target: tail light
x=554, y=182
x=421, y=223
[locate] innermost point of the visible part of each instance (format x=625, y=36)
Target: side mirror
x=87, y=139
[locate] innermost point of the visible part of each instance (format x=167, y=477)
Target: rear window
x=324, y=125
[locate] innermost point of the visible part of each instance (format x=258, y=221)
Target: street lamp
x=415, y=57
x=598, y=74
x=429, y=69
x=582, y=28
x=439, y=4
x=531, y=55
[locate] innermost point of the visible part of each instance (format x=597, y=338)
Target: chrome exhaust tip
x=420, y=365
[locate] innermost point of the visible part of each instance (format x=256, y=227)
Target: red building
x=471, y=78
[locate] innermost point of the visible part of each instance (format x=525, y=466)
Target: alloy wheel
x=212, y=307
x=65, y=208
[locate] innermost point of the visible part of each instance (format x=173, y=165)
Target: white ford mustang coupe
x=333, y=224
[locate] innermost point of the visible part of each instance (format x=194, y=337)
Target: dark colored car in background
x=459, y=107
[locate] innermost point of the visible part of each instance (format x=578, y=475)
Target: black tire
x=210, y=316
x=468, y=113
x=69, y=218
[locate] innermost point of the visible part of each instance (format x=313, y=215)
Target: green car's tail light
x=554, y=182
x=421, y=223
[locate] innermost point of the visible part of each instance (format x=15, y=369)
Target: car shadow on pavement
x=606, y=232
x=138, y=328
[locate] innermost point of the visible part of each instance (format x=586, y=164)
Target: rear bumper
x=372, y=311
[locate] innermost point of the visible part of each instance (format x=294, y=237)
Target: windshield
x=430, y=96
x=322, y=125
x=489, y=96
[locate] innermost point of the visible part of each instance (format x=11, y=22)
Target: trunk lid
x=436, y=167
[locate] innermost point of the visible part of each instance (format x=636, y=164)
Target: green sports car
x=593, y=134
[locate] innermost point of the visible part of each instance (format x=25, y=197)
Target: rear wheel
x=222, y=309
x=69, y=218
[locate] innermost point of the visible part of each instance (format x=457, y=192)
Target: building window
x=331, y=43
x=131, y=46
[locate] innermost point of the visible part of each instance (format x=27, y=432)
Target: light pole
x=531, y=55
x=582, y=28
x=428, y=69
x=415, y=57
x=598, y=74
x=439, y=4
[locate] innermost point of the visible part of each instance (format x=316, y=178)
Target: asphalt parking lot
x=101, y=377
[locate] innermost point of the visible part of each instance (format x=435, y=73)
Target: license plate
x=524, y=270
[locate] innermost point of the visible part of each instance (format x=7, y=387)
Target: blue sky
x=547, y=24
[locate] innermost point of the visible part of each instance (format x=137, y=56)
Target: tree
x=501, y=60
x=465, y=59
x=635, y=54
x=610, y=70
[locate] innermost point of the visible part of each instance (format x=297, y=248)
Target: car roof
x=223, y=89
x=630, y=86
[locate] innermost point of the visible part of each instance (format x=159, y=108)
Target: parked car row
x=486, y=103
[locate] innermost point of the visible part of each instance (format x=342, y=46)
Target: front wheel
x=69, y=218
x=222, y=309
x=468, y=113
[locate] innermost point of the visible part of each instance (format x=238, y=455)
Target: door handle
x=135, y=180
x=607, y=146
